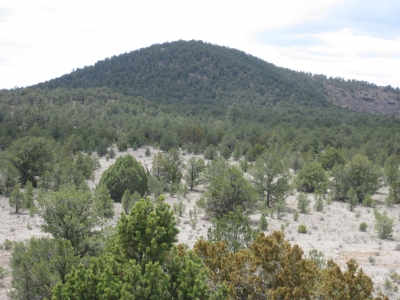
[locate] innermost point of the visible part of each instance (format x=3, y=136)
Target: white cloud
x=43, y=39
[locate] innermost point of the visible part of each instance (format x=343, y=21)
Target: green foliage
x=302, y=229
x=234, y=229
x=364, y=176
x=363, y=227
x=228, y=191
x=169, y=141
x=270, y=177
x=125, y=174
x=303, y=203
x=330, y=158
x=319, y=203
x=211, y=152
x=111, y=153
x=122, y=146
x=310, y=177
x=104, y=205
x=141, y=263
x=37, y=265
x=368, y=201
x=147, y=233
x=167, y=168
x=194, y=168
x=318, y=257
x=395, y=191
x=147, y=152
x=296, y=162
x=383, y=225
x=128, y=200
x=391, y=169
x=341, y=183
x=31, y=156
x=295, y=216
x=352, y=199
x=360, y=174
x=8, y=177
x=156, y=186
x=16, y=199
x=389, y=200
x=262, y=223
x=3, y=274
x=8, y=245
x=280, y=207
x=71, y=214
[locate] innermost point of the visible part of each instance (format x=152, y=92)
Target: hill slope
x=194, y=72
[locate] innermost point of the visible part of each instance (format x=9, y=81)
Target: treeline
x=93, y=119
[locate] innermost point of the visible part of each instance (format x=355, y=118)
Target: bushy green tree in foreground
x=71, y=214
x=38, y=265
x=141, y=263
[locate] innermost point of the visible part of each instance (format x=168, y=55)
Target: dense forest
x=202, y=99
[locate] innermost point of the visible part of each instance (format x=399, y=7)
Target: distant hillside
x=194, y=72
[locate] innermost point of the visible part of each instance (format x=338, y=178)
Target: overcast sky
x=353, y=39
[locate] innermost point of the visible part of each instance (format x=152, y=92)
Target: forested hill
x=194, y=72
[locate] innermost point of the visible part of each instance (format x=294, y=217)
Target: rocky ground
x=334, y=231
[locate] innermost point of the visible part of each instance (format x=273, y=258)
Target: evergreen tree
x=194, y=167
x=125, y=174
x=270, y=177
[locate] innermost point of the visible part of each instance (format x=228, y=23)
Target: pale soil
x=334, y=231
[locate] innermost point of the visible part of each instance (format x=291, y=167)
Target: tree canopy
x=125, y=174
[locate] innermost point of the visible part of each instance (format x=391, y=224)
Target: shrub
x=310, y=177
x=262, y=223
x=111, y=153
x=122, y=146
x=363, y=227
x=352, y=199
x=303, y=203
x=389, y=201
x=280, y=207
x=147, y=152
x=8, y=245
x=384, y=225
x=302, y=228
x=319, y=203
x=295, y=216
x=125, y=174
x=234, y=229
x=368, y=201
x=3, y=273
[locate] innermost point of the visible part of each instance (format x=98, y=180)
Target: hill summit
x=195, y=72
